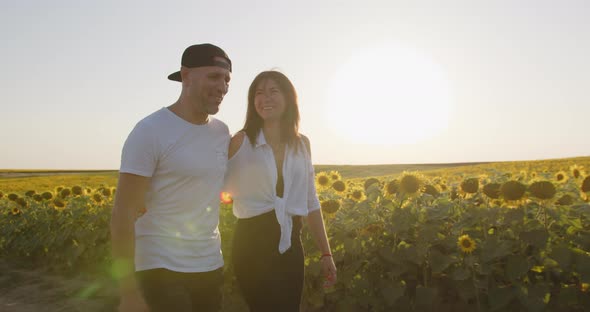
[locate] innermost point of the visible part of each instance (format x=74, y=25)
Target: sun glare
x=388, y=94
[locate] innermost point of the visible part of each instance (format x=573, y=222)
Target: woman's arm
x=317, y=228
x=235, y=143
x=315, y=222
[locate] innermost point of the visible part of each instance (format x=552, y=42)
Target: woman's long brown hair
x=289, y=120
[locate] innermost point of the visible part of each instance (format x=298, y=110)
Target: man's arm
x=130, y=197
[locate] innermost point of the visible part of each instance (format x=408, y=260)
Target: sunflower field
x=494, y=237
x=65, y=227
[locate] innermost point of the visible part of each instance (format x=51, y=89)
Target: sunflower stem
x=424, y=273
x=539, y=212
x=425, y=269
x=545, y=217
x=401, y=202
x=476, y=289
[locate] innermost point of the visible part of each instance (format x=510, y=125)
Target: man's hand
x=130, y=198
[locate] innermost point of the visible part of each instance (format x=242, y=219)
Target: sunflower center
x=560, y=177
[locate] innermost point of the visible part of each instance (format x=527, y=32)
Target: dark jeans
x=166, y=290
x=269, y=281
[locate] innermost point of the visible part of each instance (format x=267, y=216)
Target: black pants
x=165, y=290
x=269, y=281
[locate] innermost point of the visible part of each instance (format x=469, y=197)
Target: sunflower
x=542, y=189
x=484, y=178
x=322, y=179
x=410, y=183
x=470, y=185
x=512, y=190
x=492, y=190
x=59, y=204
x=330, y=205
x=561, y=177
x=585, y=185
x=37, y=198
x=577, y=171
x=47, y=195
x=21, y=202
x=12, y=197
x=485, y=181
x=466, y=244
x=15, y=211
x=369, y=182
x=77, y=190
x=357, y=195
x=97, y=198
x=335, y=175
x=30, y=193
x=372, y=229
x=65, y=192
x=565, y=200
x=392, y=187
x=431, y=190
x=106, y=192
x=339, y=186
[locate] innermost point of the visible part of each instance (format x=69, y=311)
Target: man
x=173, y=164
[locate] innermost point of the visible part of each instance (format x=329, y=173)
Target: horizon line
x=389, y=164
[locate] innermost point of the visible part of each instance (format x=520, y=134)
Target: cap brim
x=175, y=76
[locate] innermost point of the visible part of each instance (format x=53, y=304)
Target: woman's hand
x=328, y=270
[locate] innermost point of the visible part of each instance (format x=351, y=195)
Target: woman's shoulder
x=235, y=142
x=305, y=141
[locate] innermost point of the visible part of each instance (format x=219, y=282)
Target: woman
x=271, y=179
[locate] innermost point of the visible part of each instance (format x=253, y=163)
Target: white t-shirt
x=251, y=179
x=186, y=163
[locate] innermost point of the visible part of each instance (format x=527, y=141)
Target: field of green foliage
x=511, y=236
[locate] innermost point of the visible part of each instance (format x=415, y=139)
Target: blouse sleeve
x=313, y=202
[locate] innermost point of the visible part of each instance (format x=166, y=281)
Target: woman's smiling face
x=269, y=100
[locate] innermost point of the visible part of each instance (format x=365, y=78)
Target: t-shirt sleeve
x=139, y=154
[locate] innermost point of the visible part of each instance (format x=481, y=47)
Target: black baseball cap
x=200, y=55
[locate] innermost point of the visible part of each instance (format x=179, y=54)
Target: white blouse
x=251, y=180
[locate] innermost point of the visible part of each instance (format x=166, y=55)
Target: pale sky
x=379, y=82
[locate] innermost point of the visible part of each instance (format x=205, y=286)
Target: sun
x=388, y=94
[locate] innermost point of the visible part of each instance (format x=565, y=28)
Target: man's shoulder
x=148, y=120
x=154, y=117
x=218, y=124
